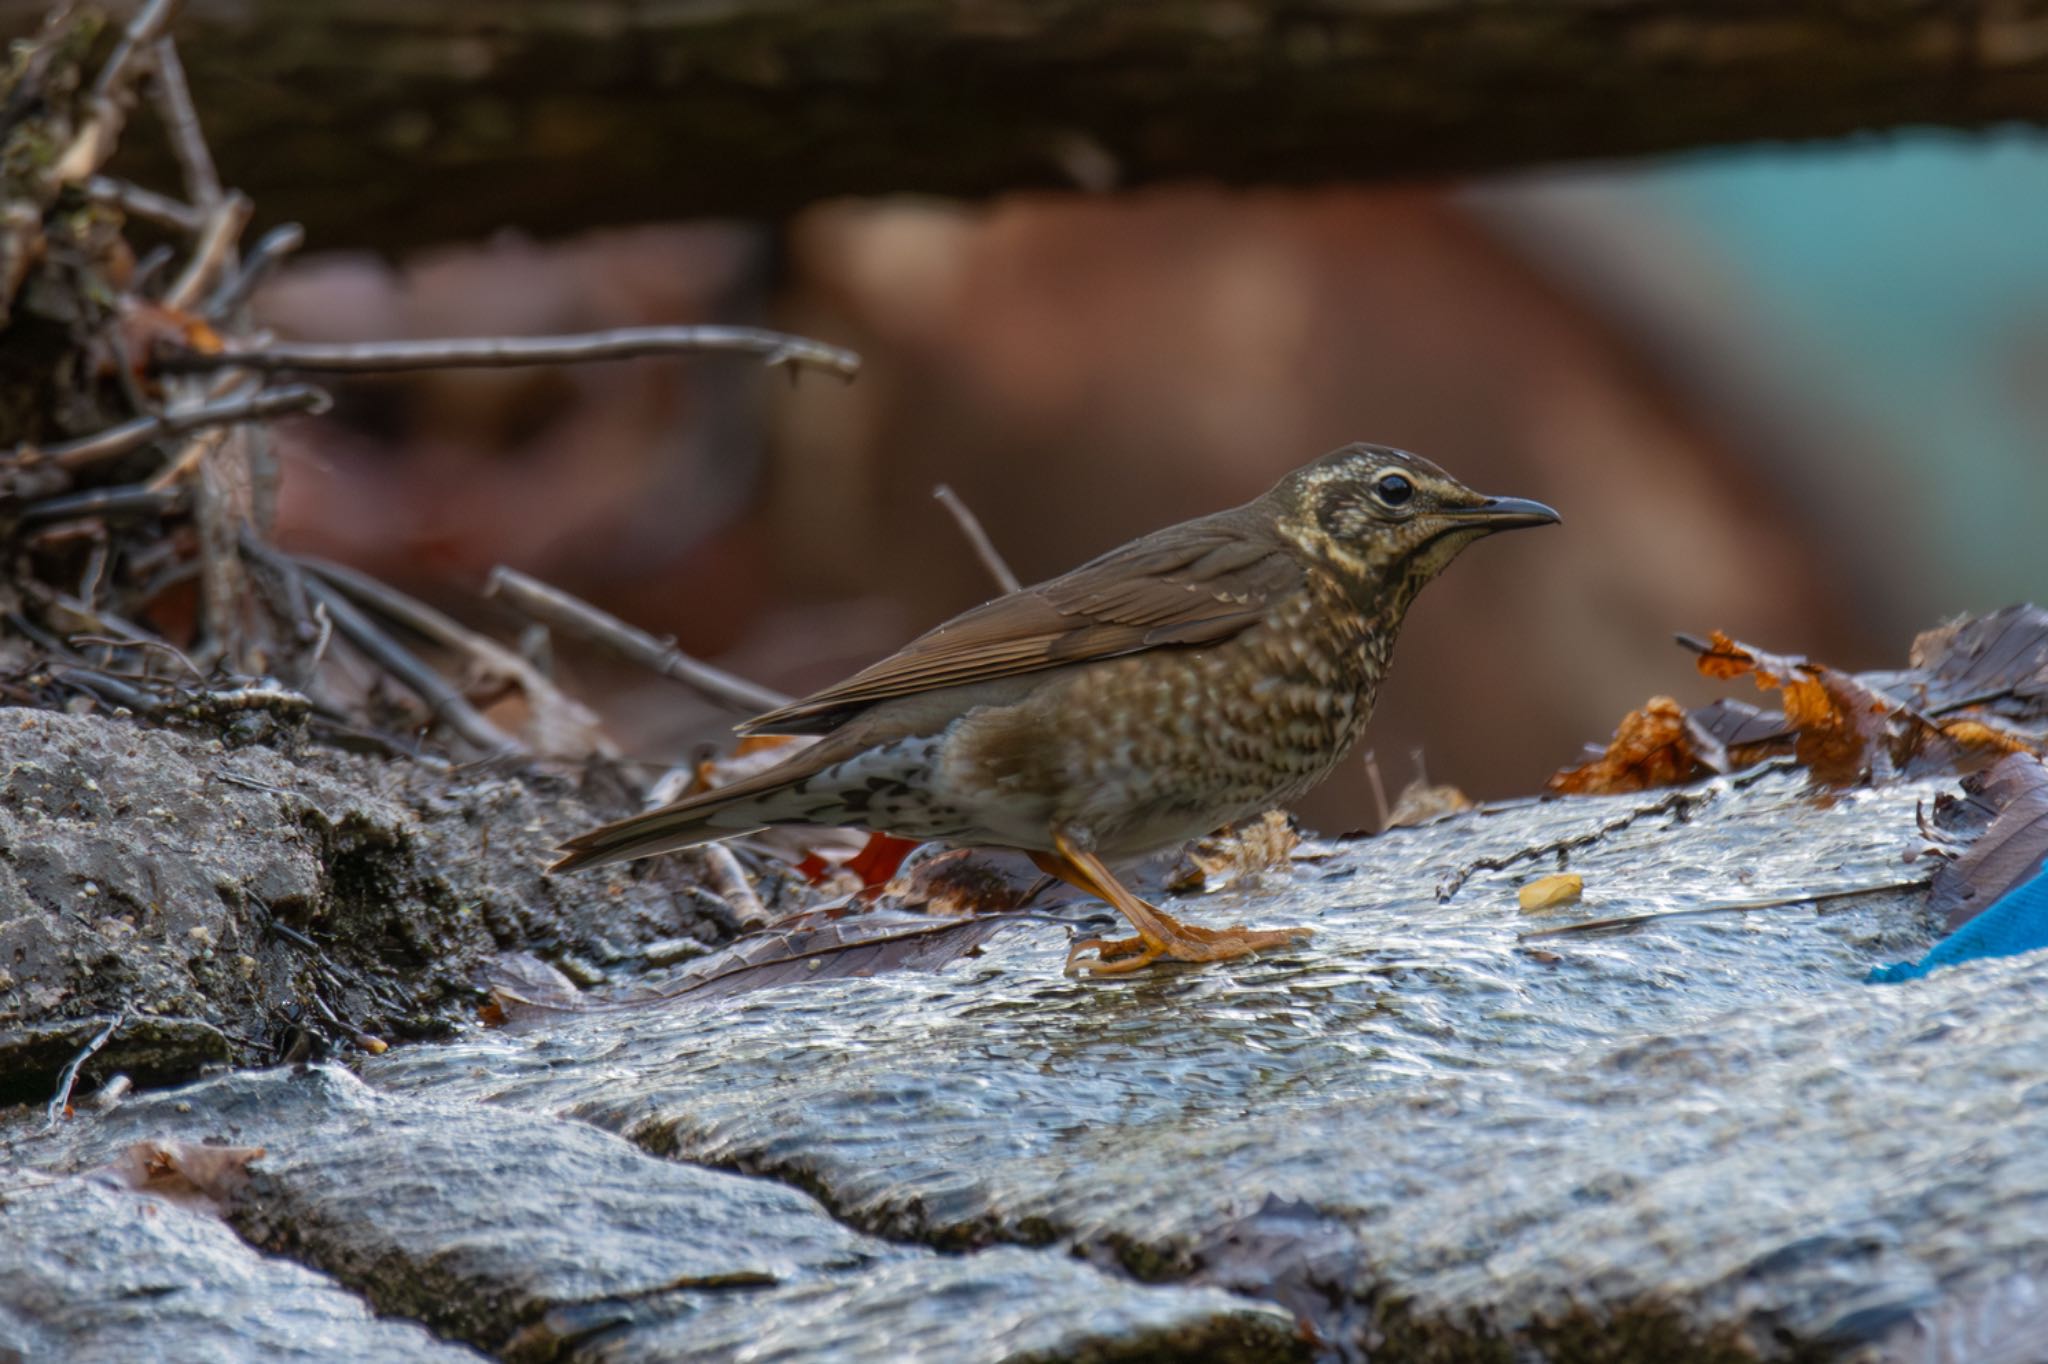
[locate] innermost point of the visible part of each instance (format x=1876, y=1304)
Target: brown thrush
x=1196, y=676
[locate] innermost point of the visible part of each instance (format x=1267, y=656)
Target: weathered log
x=385, y=123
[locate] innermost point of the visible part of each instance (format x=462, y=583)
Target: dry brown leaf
x=1253, y=845
x=187, y=1173
x=1840, y=728
x=1999, y=660
x=524, y=988
x=966, y=881
x=1548, y=892
x=860, y=945
x=1982, y=736
x=1421, y=803
x=2009, y=804
x=1651, y=747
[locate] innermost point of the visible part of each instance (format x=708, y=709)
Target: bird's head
x=1384, y=522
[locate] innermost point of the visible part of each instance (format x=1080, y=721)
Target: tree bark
x=387, y=122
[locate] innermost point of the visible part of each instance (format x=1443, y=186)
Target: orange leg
x=1159, y=933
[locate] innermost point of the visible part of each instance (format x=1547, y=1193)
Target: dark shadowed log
x=393, y=121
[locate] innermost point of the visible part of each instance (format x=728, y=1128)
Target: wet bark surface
x=1418, y=1138
x=223, y=904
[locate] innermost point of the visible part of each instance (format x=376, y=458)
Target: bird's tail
x=744, y=807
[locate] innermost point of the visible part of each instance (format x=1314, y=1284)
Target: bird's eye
x=1393, y=489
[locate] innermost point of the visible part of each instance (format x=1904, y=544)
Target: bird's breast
x=1156, y=747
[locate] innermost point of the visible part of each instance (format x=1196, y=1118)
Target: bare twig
x=562, y=611
x=181, y=124
x=1676, y=800
x=101, y=131
x=272, y=247
x=324, y=625
x=149, y=24
x=446, y=703
x=492, y=352
x=977, y=538
x=565, y=727
x=112, y=690
x=68, y=1077
x=729, y=883
x=189, y=460
x=144, y=642
x=1731, y=907
x=224, y=223
x=131, y=499
x=1379, y=789
x=131, y=435
x=138, y=202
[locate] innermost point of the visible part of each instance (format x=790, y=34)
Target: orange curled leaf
x=1844, y=730
x=1977, y=736
x=1651, y=747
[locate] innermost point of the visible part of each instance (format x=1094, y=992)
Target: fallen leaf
x=1844, y=730
x=1730, y=735
x=1421, y=803
x=2011, y=849
x=1549, y=892
x=1976, y=690
x=1651, y=747
x=878, y=860
x=524, y=988
x=870, y=944
x=966, y=881
x=1981, y=660
x=191, y=1174
x=1245, y=848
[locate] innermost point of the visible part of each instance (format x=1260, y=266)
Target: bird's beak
x=1505, y=513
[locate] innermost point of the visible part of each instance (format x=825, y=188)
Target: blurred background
x=1799, y=394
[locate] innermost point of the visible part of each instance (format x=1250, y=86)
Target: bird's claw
x=1187, y=942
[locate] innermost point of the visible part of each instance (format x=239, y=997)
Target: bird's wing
x=1197, y=583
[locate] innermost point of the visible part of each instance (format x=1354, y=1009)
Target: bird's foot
x=1176, y=942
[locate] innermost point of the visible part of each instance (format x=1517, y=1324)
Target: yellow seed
x=1552, y=891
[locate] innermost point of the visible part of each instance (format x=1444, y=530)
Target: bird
x=1194, y=677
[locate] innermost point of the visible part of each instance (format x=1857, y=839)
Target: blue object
x=2017, y=922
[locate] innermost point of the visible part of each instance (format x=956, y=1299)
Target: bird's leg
x=1159, y=933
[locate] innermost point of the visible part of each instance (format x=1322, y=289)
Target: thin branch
x=68, y=1077
x=729, y=883
x=492, y=352
x=111, y=690
x=557, y=608
x=1732, y=907
x=137, y=202
x=1676, y=800
x=150, y=23
x=446, y=703
x=129, y=499
x=271, y=248
x=1379, y=789
x=101, y=131
x=132, y=435
x=562, y=724
x=181, y=124
x=977, y=538
x=224, y=224
x=160, y=645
